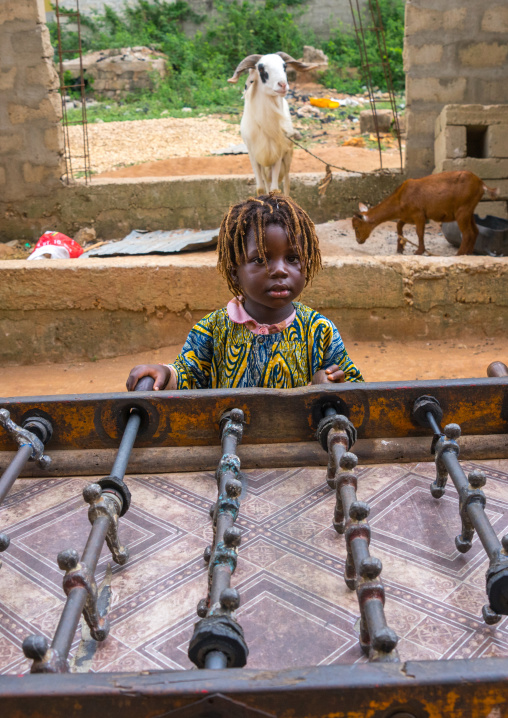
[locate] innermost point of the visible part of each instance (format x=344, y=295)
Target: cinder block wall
x=454, y=53
x=31, y=142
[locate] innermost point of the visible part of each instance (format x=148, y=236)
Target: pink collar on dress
x=238, y=315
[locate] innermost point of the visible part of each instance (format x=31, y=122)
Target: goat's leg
x=469, y=231
x=275, y=170
x=258, y=174
x=420, y=231
x=401, y=240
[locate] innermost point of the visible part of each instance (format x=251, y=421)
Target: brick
x=8, y=78
x=10, y=143
x=495, y=19
x=53, y=139
x=487, y=169
x=496, y=209
x=497, y=141
x=450, y=144
x=483, y=54
x=474, y=115
x=11, y=10
x=431, y=89
x=423, y=55
x=420, y=19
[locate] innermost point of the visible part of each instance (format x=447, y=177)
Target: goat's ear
x=296, y=64
x=248, y=63
x=363, y=207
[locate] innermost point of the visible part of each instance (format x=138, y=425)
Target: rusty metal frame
x=191, y=418
x=476, y=688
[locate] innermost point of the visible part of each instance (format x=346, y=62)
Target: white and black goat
x=266, y=122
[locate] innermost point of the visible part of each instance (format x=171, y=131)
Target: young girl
x=268, y=252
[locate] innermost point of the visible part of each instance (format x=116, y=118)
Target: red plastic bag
x=56, y=239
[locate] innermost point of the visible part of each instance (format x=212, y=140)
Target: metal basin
x=492, y=237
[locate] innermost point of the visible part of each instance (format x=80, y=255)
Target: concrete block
x=53, y=139
x=474, y=115
x=3, y=178
x=483, y=54
x=19, y=114
x=497, y=141
x=450, y=144
x=432, y=89
x=421, y=19
x=419, y=160
x=429, y=54
x=502, y=187
x=33, y=173
x=495, y=209
x=29, y=10
x=44, y=73
x=487, y=169
x=10, y=143
x=495, y=19
x=420, y=122
x=8, y=78
x=384, y=120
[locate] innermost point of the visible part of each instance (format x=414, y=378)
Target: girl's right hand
x=160, y=373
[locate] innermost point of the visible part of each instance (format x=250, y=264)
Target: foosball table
x=224, y=437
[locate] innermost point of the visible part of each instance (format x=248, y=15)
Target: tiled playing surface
x=296, y=609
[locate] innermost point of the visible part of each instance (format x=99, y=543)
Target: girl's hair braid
x=256, y=213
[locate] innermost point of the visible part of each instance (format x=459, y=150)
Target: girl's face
x=269, y=289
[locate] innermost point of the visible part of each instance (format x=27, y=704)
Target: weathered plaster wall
x=454, y=53
x=30, y=108
x=114, y=208
x=63, y=310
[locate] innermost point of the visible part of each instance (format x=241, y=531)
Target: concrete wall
x=454, y=53
x=319, y=15
x=64, y=310
x=115, y=207
x=30, y=137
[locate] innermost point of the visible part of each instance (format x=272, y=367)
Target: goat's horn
x=296, y=64
x=246, y=64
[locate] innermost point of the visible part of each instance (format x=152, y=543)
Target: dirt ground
x=175, y=147
x=354, y=159
x=378, y=361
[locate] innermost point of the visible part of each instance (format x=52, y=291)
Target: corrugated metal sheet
x=160, y=242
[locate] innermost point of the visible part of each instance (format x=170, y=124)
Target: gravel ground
x=119, y=144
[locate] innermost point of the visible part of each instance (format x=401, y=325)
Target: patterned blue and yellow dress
x=220, y=353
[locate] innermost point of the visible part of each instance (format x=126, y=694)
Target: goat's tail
x=492, y=192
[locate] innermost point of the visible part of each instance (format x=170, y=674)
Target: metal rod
x=76, y=599
x=12, y=472
x=427, y=412
x=126, y=444
x=218, y=640
x=216, y=660
x=337, y=435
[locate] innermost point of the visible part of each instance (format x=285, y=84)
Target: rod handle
x=497, y=368
x=145, y=384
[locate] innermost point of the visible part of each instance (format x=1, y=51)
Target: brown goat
x=443, y=197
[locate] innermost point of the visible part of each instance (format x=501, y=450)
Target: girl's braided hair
x=256, y=213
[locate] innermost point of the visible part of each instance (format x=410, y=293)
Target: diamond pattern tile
x=296, y=609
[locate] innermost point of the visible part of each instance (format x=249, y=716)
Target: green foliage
x=344, y=51
x=199, y=65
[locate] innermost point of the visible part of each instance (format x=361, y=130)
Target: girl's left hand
x=333, y=374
